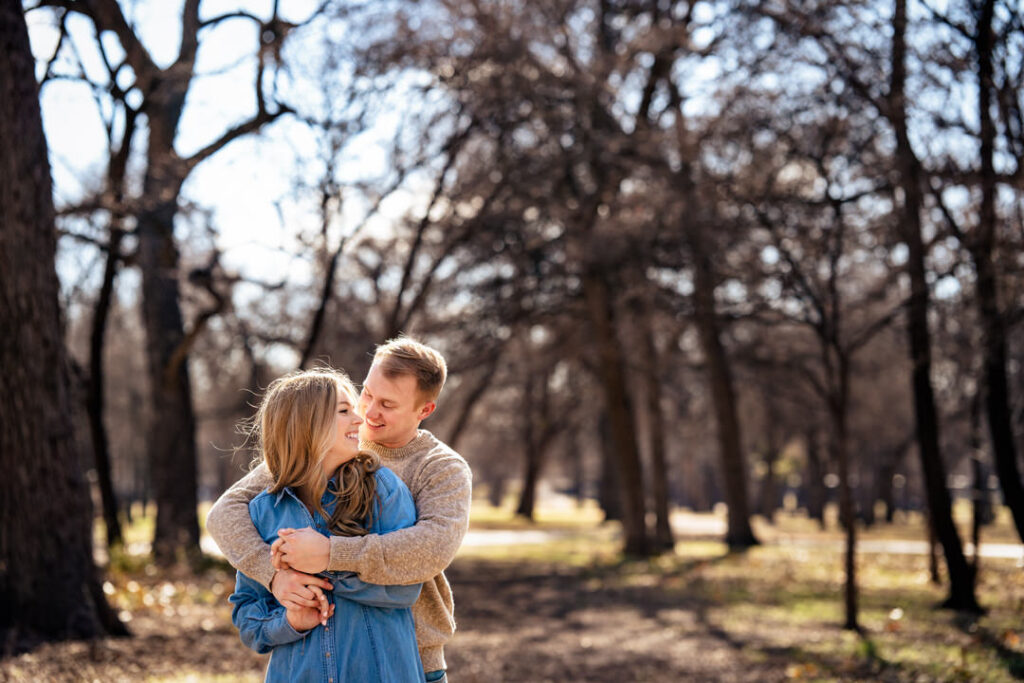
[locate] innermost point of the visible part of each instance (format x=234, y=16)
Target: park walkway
x=710, y=528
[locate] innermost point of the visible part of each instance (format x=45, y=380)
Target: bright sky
x=249, y=186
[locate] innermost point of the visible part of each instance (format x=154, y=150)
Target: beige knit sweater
x=440, y=482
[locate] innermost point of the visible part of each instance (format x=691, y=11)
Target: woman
x=307, y=432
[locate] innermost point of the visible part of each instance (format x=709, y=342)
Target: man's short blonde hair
x=406, y=356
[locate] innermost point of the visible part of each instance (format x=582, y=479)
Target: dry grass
x=569, y=608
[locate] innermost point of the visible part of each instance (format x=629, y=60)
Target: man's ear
x=426, y=410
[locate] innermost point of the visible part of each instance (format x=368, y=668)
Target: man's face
x=392, y=408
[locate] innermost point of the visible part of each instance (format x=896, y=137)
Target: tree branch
x=240, y=14
x=251, y=126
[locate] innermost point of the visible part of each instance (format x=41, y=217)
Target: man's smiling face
x=392, y=408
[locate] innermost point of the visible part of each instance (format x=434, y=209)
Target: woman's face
x=346, y=433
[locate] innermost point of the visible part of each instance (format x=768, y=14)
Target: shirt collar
x=288, y=490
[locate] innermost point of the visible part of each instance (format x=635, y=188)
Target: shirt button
x=328, y=654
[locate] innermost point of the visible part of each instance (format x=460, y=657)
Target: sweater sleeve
x=230, y=525
x=420, y=552
x=394, y=510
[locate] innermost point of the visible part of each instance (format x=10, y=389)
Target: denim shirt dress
x=370, y=636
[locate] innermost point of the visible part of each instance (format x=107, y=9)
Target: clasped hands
x=297, y=555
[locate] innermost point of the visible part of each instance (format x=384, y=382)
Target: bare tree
x=885, y=92
x=998, y=91
x=48, y=582
x=163, y=93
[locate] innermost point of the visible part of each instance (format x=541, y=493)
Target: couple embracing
x=342, y=533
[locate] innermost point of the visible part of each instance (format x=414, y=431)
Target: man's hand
x=305, y=618
x=302, y=549
x=296, y=590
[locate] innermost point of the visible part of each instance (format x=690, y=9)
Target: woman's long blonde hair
x=293, y=430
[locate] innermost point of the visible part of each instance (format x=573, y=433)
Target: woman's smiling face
x=346, y=433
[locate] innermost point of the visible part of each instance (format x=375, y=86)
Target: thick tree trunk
x=612, y=371
x=663, y=538
x=171, y=438
x=609, y=492
x=815, y=480
x=171, y=445
x=993, y=325
x=534, y=453
x=49, y=589
x=926, y=419
x=864, y=502
x=933, y=553
x=734, y=469
x=496, y=489
x=531, y=477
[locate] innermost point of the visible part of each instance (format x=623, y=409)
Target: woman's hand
x=305, y=618
x=302, y=549
x=296, y=590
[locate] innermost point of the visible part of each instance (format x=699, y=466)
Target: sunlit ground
x=548, y=599
x=786, y=596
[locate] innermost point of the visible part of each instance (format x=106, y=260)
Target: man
x=399, y=392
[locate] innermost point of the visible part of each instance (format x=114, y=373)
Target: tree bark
x=993, y=326
x=49, y=589
x=171, y=446
x=926, y=419
x=734, y=468
x=609, y=493
x=663, y=538
x=612, y=372
x=534, y=451
x=815, y=480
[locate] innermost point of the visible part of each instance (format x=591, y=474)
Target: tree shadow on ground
x=662, y=620
x=601, y=623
